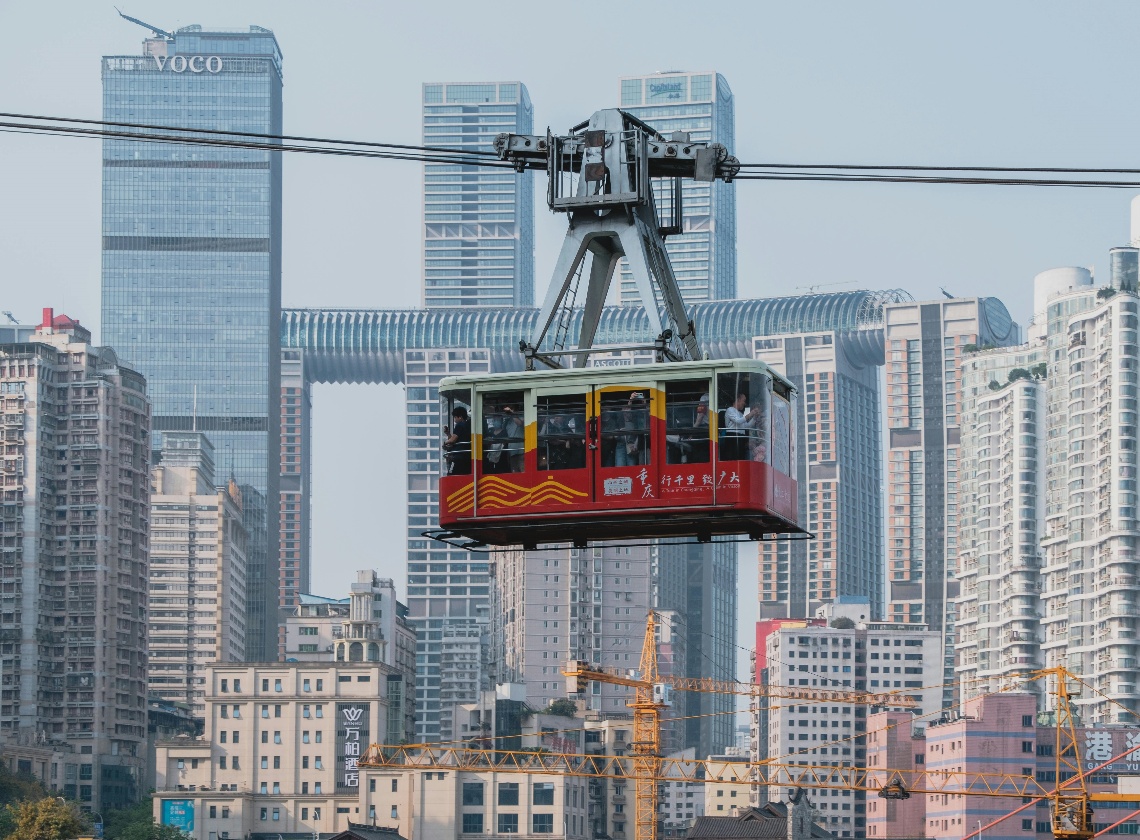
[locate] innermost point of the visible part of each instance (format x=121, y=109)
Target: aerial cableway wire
x=809, y=172
x=253, y=134
x=455, y=156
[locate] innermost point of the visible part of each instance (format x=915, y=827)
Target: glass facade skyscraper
x=192, y=259
x=704, y=254
x=478, y=222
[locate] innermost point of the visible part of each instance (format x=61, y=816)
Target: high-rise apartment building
x=478, y=222
x=296, y=478
x=1049, y=562
x=1002, y=503
x=550, y=608
x=861, y=657
x=556, y=606
x=192, y=261
x=197, y=576
x=448, y=589
x=695, y=589
x=75, y=426
x=840, y=469
x=1091, y=561
x=925, y=344
x=704, y=253
x=370, y=625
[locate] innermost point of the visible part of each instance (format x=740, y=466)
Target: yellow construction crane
x=1070, y=801
x=651, y=697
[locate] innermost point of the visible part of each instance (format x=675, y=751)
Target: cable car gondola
x=698, y=448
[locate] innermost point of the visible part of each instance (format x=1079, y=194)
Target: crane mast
x=601, y=175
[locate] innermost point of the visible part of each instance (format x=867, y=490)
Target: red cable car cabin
x=665, y=450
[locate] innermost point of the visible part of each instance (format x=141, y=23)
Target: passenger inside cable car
x=503, y=433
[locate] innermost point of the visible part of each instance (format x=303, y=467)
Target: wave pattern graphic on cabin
x=496, y=492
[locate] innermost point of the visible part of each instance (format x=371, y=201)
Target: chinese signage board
x=1099, y=745
x=352, y=739
x=179, y=813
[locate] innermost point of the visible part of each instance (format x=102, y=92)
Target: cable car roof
x=623, y=373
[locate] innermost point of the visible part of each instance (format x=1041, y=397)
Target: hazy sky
x=963, y=83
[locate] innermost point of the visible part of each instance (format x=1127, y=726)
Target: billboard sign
x=352, y=738
x=179, y=813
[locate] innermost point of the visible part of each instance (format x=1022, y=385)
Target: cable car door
x=625, y=436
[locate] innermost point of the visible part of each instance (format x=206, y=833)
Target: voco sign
x=194, y=63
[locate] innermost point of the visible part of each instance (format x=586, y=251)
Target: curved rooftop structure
x=354, y=345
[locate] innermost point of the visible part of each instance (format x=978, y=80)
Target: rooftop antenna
x=160, y=32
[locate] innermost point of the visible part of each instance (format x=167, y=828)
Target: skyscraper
x=192, y=260
x=447, y=588
x=296, y=477
x=925, y=343
x=478, y=222
x=704, y=254
x=197, y=579
x=73, y=559
x=1002, y=501
x=840, y=469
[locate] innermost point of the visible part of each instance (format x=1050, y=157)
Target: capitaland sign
x=191, y=63
x=660, y=88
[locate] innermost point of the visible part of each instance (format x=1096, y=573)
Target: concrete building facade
x=295, y=480
x=1099, y=528
x=313, y=628
x=368, y=626
x=999, y=562
x=925, y=344
x=448, y=593
x=840, y=467
x=75, y=426
x=551, y=608
x=197, y=577
x=280, y=752
x=859, y=656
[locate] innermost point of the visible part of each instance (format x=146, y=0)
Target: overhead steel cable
x=906, y=179
x=218, y=131
x=811, y=172
x=449, y=157
x=919, y=168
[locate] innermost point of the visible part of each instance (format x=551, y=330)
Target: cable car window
x=744, y=407
x=625, y=428
x=456, y=407
x=562, y=432
x=503, y=445
x=687, y=422
x=781, y=435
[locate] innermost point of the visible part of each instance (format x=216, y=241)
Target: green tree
x=1018, y=373
x=137, y=823
x=45, y=819
x=17, y=787
x=563, y=707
